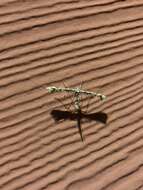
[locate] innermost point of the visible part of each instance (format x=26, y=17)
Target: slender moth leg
x=88, y=102
x=81, y=95
x=61, y=103
x=72, y=98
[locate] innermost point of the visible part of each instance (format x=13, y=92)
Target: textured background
x=46, y=42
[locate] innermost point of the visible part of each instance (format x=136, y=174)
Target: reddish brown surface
x=44, y=43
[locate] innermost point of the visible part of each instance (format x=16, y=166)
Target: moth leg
x=69, y=104
x=59, y=100
x=88, y=102
x=72, y=102
x=81, y=95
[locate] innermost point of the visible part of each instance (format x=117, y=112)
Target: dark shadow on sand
x=60, y=115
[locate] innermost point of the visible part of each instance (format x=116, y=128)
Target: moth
x=76, y=93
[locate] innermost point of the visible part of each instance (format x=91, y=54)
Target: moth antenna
x=81, y=84
x=65, y=85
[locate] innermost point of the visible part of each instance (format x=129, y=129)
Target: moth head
x=102, y=97
x=51, y=89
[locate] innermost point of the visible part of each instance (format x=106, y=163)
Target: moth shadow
x=60, y=115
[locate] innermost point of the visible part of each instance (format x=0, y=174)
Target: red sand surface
x=48, y=42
